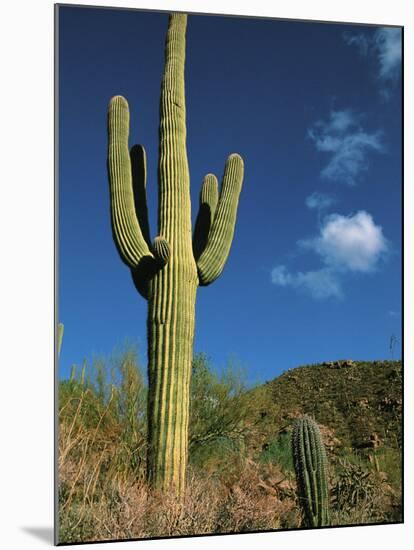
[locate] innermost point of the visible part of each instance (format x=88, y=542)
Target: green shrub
x=220, y=411
x=279, y=452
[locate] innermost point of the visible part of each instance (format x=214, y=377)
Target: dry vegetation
x=240, y=477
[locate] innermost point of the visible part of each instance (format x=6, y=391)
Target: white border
x=26, y=296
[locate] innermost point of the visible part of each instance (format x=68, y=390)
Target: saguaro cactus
x=310, y=462
x=168, y=271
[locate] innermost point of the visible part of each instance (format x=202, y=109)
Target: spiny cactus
x=168, y=271
x=60, y=337
x=310, y=463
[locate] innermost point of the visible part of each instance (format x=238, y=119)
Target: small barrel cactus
x=310, y=463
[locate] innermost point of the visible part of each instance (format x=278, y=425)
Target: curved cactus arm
x=139, y=184
x=211, y=262
x=205, y=216
x=127, y=232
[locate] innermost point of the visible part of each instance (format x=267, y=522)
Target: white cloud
x=347, y=143
x=345, y=244
x=349, y=243
x=385, y=46
x=340, y=121
x=319, y=201
x=280, y=276
x=320, y=284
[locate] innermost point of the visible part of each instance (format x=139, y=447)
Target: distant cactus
x=310, y=463
x=60, y=337
x=168, y=271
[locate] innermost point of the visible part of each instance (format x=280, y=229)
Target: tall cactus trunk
x=170, y=359
x=168, y=271
x=172, y=294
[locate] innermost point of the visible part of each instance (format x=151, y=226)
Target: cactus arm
x=126, y=230
x=205, y=216
x=161, y=250
x=139, y=182
x=211, y=262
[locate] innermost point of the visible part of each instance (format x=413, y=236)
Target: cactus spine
x=310, y=462
x=168, y=271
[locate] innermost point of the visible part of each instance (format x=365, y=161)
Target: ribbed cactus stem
x=211, y=262
x=206, y=211
x=127, y=231
x=310, y=463
x=171, y=304
x=60, y=337
x=161, y=250
x=209, y=193
x=166, y=272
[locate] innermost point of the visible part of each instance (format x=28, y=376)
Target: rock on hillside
x=357, y=403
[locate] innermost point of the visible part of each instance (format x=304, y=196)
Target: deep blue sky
x=314, y=272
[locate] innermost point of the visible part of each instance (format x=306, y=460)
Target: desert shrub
x=389, y=461
x=130, y=509
x=279, y=451
x=358, y=495
x=251, y=503
x=101, y=435
x=220, y=412
x=239, y=478
x=116, y=386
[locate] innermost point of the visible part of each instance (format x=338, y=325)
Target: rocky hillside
x=357, y=403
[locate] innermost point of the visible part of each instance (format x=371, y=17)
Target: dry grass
x=102, y=490
x=128, y=509
x=230, y=488
x=99, y=504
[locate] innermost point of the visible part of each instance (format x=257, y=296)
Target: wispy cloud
x=319, y=201
x=320, y=284
x=347, y=143
x=360, y=40
x=393, y=313
x=385, y=46
x=345, y=244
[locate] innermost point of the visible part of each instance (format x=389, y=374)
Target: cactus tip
x=235, y=156
x=161, y=250
x=118, y=101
